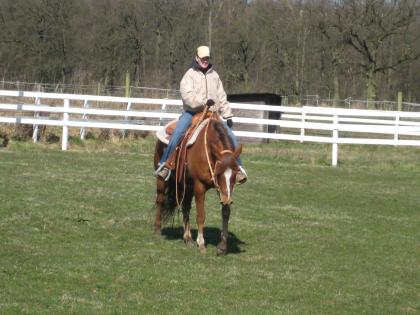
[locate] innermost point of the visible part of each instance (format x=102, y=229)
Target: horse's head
x=225, y=172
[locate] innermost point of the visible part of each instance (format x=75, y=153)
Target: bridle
x=212, y=170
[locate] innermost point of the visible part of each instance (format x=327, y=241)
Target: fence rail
x=305, y=124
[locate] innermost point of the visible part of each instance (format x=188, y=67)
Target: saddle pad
x=197, y=132
x=164, y=137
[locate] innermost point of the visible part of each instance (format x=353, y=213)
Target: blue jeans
x=182, y=125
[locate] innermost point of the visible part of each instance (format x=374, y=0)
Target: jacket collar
x=197, y=67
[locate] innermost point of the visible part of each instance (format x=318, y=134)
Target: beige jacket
x=197, y=87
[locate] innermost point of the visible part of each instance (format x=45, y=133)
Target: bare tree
x=367, y=27
x=293, y=47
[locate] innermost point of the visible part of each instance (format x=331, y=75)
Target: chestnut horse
x=210, y=163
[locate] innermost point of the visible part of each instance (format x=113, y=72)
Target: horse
x=209, y=163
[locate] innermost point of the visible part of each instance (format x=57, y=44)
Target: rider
x=200, y=86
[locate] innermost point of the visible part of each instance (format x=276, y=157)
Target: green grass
x=76, y=234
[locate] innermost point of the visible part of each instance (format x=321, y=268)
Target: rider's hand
x=210, y=103
x=229, y=123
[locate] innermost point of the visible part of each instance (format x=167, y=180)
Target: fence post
x=302, y=129
x=127, y=84
x=335, y=141
x=124, y=132
x=85, y=116
x=36, y=127
x=163, y=109
x=65, y=134
x=396, y=135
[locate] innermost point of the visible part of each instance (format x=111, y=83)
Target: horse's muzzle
x=226, y=201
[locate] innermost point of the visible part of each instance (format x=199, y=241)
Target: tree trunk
x=210, y=27
x=336, y=88
x=370, y=85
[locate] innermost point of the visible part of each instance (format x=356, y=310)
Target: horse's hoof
x=202, y=250
x=221, y=250
x=158, y=231
x=189, y=243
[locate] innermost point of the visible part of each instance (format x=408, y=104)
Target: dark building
x=256, y=98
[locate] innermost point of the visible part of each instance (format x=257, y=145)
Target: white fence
x=312, y=124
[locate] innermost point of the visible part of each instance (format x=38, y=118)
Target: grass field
x=76, y=234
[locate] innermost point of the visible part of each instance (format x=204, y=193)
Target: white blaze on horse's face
x=225, y=170
x=225, y=186
x=228, y=175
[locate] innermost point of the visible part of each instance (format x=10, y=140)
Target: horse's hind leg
x=186, y=207
x=160, y=202
x=222, y=247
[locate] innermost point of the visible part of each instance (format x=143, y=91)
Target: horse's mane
x=222, y=134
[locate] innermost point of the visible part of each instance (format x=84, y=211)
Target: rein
x=207, y=155
x=203, y=115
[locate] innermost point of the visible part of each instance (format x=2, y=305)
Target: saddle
x=164, y=134
x=177, y=160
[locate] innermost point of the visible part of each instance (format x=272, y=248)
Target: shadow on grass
x=211, y=235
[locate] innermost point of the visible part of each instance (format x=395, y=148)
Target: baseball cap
x=203, y=51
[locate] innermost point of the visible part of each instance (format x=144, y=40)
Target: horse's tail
x=168, y=193
x=169, y=207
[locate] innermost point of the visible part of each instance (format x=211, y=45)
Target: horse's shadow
x=211, y=235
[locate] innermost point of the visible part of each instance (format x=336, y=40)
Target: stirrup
x=163, y=172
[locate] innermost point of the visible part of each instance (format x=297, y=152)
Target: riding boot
x=242, y=176
x=165, y=169
x=171, y=162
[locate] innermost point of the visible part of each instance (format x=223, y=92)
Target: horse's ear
x=238, y=151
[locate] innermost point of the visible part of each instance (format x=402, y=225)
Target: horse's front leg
x=199, y=194
x=222, y=247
